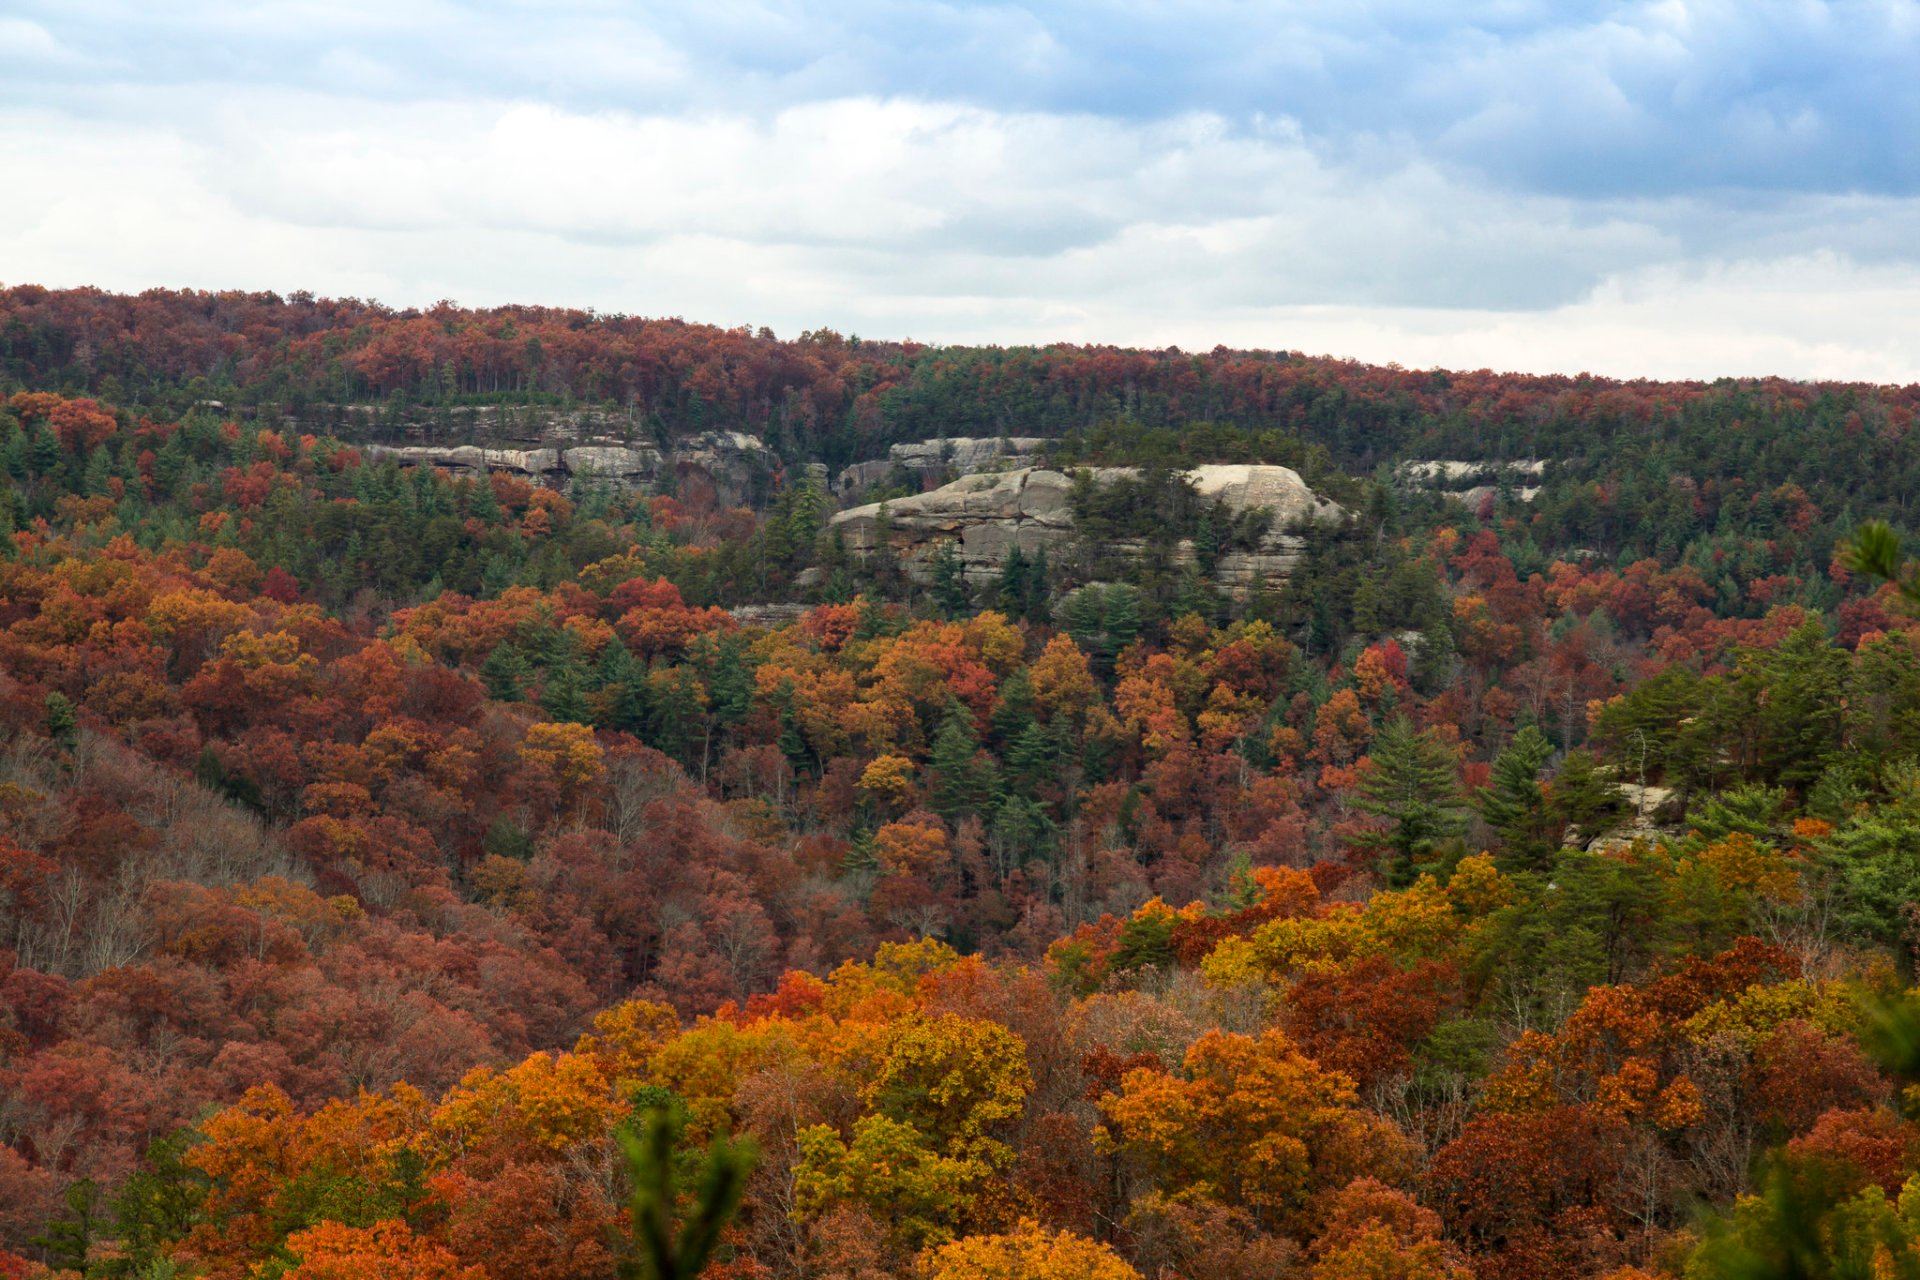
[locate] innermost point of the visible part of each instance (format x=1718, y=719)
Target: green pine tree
x=505, y=673
x=1414, y=785
x=963, y=783
x=1515, y=805
x=563, y=697
x=951, y=595
x=1010, y=593
x=670, y=1240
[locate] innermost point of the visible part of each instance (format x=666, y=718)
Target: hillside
x=1345, y=822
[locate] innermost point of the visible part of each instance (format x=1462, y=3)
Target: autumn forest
x=1506, y=870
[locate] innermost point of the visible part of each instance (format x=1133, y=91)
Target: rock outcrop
x=986, y=516
x=735, y=464
x=962, y=455
x=1472, y=482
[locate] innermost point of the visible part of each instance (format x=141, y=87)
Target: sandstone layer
x=986, y=516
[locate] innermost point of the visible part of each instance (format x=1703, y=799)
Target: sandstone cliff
x=986, y=516
x=735, y=464
x=962, y=455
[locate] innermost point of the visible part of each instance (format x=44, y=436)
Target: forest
x=1521, y=888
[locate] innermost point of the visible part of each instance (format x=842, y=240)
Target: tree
x=69, y=1238
x=505, y=673
x=1412, y=782
x=1011, y=591
x=951, y=594
x=1251, y=1123
x=657, y=1250
x=1515, y=805
x=963, y=783
x=384, y=1251
x=1029, y=1253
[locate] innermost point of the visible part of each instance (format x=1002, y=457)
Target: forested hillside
x=1523, y=887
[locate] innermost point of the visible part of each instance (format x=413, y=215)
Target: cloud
x=1648, y=97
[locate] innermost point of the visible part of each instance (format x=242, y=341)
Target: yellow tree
x=1255, y=1124
x=1029, y=1253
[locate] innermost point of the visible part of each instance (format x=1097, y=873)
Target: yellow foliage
x=625, y=1038
x=1062, y=681
x=1758, y=1010
x=888, y=781
x=567, y=751
x=1029, y=1253
x=551, y=1103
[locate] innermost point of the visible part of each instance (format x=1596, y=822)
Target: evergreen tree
x=1414, y=784
x=615, y=667
x=1120, y=621
x=1515, y=806
x=63, y=724
x=951, y=596
x=1010, y=594
x=676, y=713
x=68, y=1239
x=157, y=1205
x=563, y=697
x=505, y=673
x=1434, y=658
x=660, y=1248
x=44, y=454
x=1035, y=607
x=630, y=705
x=730, y=682
x=962, y=782
x=1084, y=613
x=1584, y=797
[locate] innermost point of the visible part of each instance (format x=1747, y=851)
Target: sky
x=1673, y=189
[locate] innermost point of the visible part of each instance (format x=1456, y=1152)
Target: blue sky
x=1671, y=189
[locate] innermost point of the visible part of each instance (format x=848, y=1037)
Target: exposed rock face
x=734, y=463
x=1468, y=482
x=986, y=516
x=963, y=455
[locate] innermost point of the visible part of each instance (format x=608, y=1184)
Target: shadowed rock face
x=986, y=516
x=731, y=461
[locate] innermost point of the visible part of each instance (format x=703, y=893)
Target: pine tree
x=1414, y=784
x=730, y=682
x=482, y=505
x=962, y=784
x=63, y=725
x=44, y=453
x=615, y=667
x=1584, y=798
x=1084, y=613
x=1434, y=658
x=631, y=704
x=1010, y=594
x=1120, y=620
x=660, y=1249
x=950, y=592
x=99, y=471
x=69, y=1238
x=505, y=673
x=563, y=697
x=675, y=711
x=1515, y=806
x=1035, y=606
